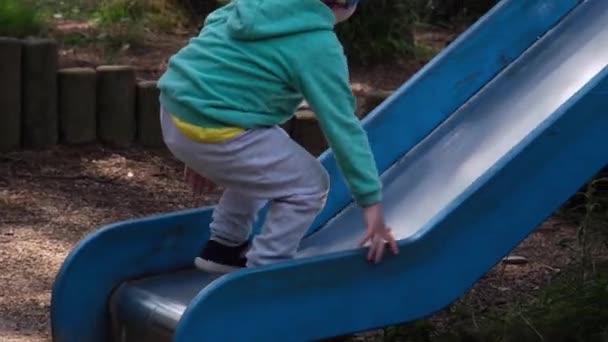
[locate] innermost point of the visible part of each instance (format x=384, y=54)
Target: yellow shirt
x=205, y=134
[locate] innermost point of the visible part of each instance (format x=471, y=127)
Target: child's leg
x=233, y=217
x=261, y=164
x=286, y=223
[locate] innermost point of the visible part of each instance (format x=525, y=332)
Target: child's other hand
x=377, y=233
x=198, y=183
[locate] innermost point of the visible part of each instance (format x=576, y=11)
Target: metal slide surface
x=436, y=175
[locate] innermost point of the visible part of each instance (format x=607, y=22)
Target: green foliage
x=121, y=23
x=425, y=52
x=380, y=31
x=152, y=14
x=588, y=209
x=120, y=11
x=453, y=10
x=19, y=18
x=67, y=9
x=125, y=21
x=568, y=310
x=198, y=10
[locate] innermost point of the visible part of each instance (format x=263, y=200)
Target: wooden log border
x=46, y=106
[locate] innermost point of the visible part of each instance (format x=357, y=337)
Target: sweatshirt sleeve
x=321, y=75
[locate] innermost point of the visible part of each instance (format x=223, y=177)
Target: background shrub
x=439, y=11
x=380, y=31
x=19, y=19
x=199, y=9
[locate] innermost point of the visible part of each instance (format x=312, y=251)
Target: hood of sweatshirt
x=264, y=19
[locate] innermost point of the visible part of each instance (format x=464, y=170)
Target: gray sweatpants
x=255, y=167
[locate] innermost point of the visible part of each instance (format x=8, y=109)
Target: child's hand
x=378, y=234
x=198, y=183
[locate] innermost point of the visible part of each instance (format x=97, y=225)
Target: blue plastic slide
x=476, y=150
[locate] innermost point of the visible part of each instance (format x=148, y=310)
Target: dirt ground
x=49, y=200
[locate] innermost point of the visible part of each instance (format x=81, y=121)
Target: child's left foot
x=218, y=258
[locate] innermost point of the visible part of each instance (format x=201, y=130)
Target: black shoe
x=218, y=258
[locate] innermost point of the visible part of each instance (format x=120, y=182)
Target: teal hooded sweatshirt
x=252, y=65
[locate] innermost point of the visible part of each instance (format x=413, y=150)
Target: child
x=223, y=98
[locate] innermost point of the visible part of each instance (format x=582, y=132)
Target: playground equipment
x=476, y=150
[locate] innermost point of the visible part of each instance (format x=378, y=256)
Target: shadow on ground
x=78, y=189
